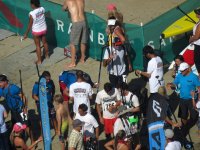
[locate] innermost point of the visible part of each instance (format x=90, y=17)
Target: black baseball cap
x=3, y=77
x=197, y=11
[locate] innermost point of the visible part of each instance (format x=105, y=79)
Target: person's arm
x=98, y=106
x=171, y=122
x=135, y=109
x=97, y=133
x=58, y=118
x=139, y=72
x=107, y=57
x=5, y=114
x=35, y=143
x=196, y=36
x=29, y=26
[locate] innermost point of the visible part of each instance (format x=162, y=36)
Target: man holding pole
x=79, y=29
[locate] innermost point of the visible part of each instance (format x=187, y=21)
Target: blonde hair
x=58, y=98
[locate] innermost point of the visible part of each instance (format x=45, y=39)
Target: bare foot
x=82, y=61
x=71, y=65
x=38, y=62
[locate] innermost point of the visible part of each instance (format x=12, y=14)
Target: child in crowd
x=62, y=117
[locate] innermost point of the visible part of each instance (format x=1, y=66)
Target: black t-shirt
x=157, y=108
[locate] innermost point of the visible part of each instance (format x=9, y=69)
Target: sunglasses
x=184, y=70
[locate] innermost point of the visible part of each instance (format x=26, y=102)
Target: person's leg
x=38, y=49
x=74, y=41
x=84, y=41
x=183, y=112
x=45, y=44
x=73, y=55
x=83, y=49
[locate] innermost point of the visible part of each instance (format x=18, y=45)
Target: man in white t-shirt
x=171, y=145
x=107, y=102
x=90, y=123
x=80, y=92
x=154, y=70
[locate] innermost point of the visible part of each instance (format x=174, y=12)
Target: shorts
x=185, y=107
x=39, y=33
x=108, y=125
x=62, y=88
x=78, y=33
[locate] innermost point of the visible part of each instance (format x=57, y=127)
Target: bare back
x=76, y=9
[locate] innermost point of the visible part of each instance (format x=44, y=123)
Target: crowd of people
x=119, y=109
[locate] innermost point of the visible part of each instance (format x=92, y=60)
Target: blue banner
x=156, y=136
x=44, y=114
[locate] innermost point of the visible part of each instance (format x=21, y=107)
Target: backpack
x=17, y=106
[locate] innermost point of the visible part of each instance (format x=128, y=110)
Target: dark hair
x=3, y=77
x=79, y=74
x=180, y=57
x=83, y=107
x=46, y=74
x=148, y=49
x=197, y=11
x=121, y=134
x=124, y=86
x=36, y=3
x=58, y=98
x=107, y=87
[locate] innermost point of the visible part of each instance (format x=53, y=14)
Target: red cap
x=19, y=127
x=111, y=7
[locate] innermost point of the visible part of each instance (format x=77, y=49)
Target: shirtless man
x=78, y=30
x=62, y=117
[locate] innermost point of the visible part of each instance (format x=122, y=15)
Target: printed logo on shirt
x=156, y=108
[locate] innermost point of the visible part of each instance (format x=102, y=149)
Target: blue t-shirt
x=50, y=88
x=187, y=84
x=68, y=78
x=3, y=128
x=11, y=95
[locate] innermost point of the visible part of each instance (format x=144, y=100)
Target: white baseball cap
x=183, y=66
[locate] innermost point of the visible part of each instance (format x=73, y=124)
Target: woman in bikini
x=39, y=28
x=16, y=138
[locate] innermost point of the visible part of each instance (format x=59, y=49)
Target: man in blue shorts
x=50, y=87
